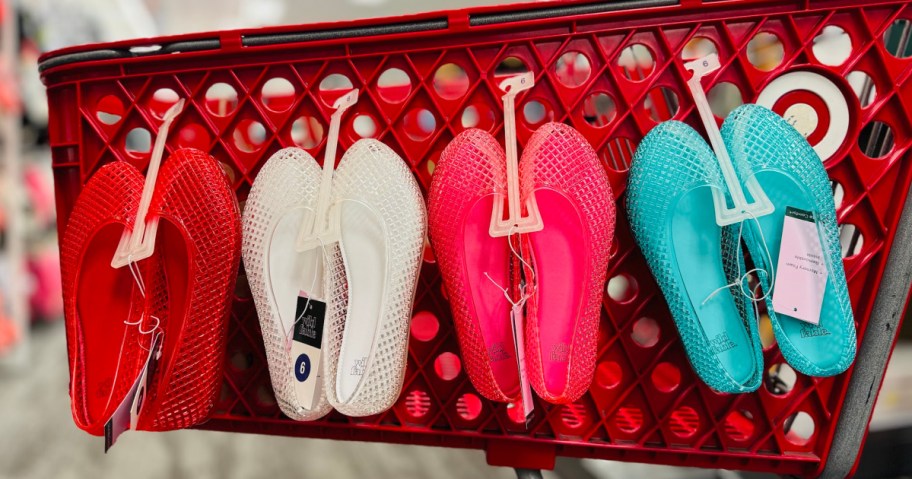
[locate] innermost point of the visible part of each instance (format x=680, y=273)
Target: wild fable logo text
x=359, y=366
x=560, y=352
x=721, y=343
x=497, y=352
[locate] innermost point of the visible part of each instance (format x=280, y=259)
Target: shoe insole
x=364, y=250
x=696, y=240
x=561, y=266
x=491, y=256
x=103, y=302
x=171, y=246
x=291, y=273
x=823, y=346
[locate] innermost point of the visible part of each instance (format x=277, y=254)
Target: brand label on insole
x=560, y=353
x=497, y=352
x=813, y=331
x=721, y=343
x=801, y=273
x=359, y=366
x=127, y=413
x=305, y=348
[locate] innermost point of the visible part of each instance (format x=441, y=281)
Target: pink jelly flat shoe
x=475, y=266
x=569, y=257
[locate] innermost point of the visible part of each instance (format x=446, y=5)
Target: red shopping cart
x=611, y=70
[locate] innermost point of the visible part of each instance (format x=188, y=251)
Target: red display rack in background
x=424, y=79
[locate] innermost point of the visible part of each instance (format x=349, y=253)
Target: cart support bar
x=874, y=351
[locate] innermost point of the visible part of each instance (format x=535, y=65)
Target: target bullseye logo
x=814, y=105
x=807, y=112
x=804, y=118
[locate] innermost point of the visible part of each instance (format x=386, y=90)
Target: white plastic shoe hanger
x=515, y=222
x=742, y=209
x=318, y=229
x=139, y=243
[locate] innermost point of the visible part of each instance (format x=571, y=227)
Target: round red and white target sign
x=814, y=105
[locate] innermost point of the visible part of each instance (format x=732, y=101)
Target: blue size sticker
x=302, y=368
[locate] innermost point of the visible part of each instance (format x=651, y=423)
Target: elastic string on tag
x=137, y=278
x=506, y=292
x=519, y=255
x=525, y=294
x=769, y=260
x=151, y=330
x=313, y=284
x=740, y=283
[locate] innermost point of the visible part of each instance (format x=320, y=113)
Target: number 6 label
x=302, y=368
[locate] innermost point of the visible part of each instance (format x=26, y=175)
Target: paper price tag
x=305, y=348
x=516, y=318
x=127, y=413
x=801, y=273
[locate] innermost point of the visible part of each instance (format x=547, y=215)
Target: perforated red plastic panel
x=645, y=404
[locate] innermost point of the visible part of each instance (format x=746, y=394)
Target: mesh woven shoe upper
x=764, y=145
x=284, y=189
x=470, y=173
x=570, y=259
x=373, y=276
x=671, y=213
x=199, y=245
x=104, y=353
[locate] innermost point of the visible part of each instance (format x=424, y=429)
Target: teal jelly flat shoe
x=764, y=145
x=696, y=263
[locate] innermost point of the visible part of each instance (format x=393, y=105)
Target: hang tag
x=305, y=348
x=126, y=415
x=516, y=319
x=801, y=275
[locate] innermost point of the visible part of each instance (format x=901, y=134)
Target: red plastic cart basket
x=427, y=77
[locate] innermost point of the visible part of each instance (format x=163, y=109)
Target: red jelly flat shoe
x=199, y=245
x=570, y=259
x=103, y=306
x=475, y=266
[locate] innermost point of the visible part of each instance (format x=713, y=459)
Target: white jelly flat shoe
x=373, y=275
x=284, y=191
